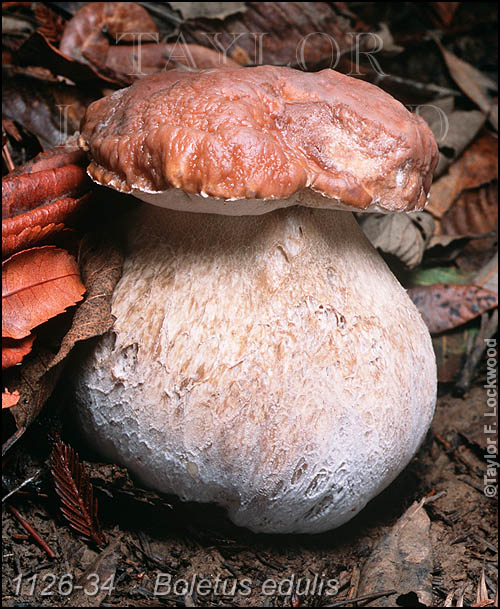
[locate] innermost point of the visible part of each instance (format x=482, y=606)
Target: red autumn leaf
x=95, y=23
x=54, y=158
x=477, y=166
x=37, y=284
x=475, y=212
x=24, y=193
x=445, y=11
x=13, y=350
x=10, y=399
x=32, y=227
x=445, y=306
x=50, y=24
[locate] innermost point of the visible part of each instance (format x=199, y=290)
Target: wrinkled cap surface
x=264, y=132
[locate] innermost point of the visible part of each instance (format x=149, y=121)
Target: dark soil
x=150, y=535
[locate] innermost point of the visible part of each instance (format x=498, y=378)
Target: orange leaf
x=475, y=212
x=22, y=193
x=10, y=399
x=37, y=284
x=13, y=350
x=28, y=229
x=477, y=166
x=445, y=306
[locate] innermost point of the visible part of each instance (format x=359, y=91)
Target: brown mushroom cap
x=262, y=133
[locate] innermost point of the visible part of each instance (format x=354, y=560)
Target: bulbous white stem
x=271, y=364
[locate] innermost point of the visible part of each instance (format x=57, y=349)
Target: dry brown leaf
x=473, y=83
x=208, y=10
x=450, y=349
x=13, y=350
x=49, y=23
x=446, y=306
x=103, y=569
x=401, y=235
x=487, y=277
x=100, y=263
x=159, y=57
x=401, y=560
x=35, y=381
x=276, y=33
x=10, y=399
x=475, y=212
x=477, y=166
x=41, y=106
x=37, y=284
x=463, y=126
x=100, y=267
x=89, y=32
x=38, y=51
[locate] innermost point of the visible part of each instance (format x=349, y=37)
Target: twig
x=9, y=164
x=365, y=597
x=473, y=484
x=488, y=329
x=18, y=488
x=354, y=584
x=31, y=531
x=267, y=563
x=432, y=498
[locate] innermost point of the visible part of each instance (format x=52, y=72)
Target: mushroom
x=263, y=356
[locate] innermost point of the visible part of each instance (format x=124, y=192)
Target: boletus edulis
x=263, y=355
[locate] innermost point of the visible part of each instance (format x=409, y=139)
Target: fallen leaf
x=100, y=267
x=276, y=33
x=54, y=158
x=208, y=10
x=102, y=569
x=38, y=51
x=13, y=350
x=100, y=264
x=461, y=127
x=35, y=381
x=439, y=274
x=10, y=399
x=22, y=193
x=473, y=83
x=41, y=106
x=475, y=350
x=446, y=306
x=49, y=24
x=29, y=229
x=158, y=57
x=89, y=36
x=445, y=11
x=450, y=349
x=98, y=25
x=401, y=560
x=402, y=235
x=37, y=284
x=72, y=483
x=475, y=212
x=487, y=276
x=477, y=166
